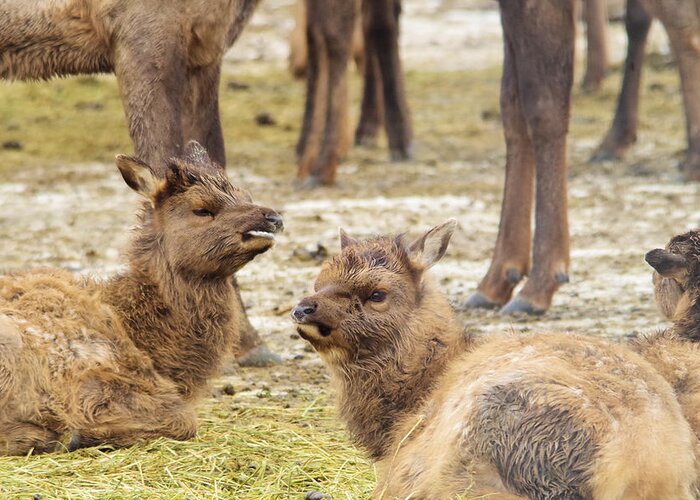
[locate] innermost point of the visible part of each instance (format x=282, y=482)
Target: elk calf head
x=676, y=273
x=205, y=226
x=366, y=297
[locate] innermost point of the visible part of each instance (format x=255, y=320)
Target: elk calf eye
x=377, y=296
x=202, y=212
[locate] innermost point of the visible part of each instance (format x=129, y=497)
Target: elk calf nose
x=276, y=220
x=302, y=310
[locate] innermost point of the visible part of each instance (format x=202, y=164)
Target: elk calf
x=675, y=353
x=119, y=361
x=444, y=413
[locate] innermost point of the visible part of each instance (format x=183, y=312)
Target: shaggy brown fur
x=124, y=360
x=681, y=20
x=538, y=416
x=322, y=141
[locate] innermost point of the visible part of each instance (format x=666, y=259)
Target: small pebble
x=264, y=119
x=12, y=145
x=228, y=390
x=315, y=495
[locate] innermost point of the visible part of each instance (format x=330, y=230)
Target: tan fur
x=549, y=416
x=125, y=359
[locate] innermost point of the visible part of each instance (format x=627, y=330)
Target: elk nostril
x=275, y=219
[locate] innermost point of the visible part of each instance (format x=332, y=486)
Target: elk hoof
x=260, y=356
x=603, y=154
x=521, y=306
x=561, y=277
x=479, y=301
x=514, y=276
x=401, y=154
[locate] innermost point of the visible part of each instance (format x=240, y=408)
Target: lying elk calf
x=675, y=352
x=123, y=360
x=444, y=413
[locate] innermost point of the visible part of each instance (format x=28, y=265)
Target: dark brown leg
x=682, y=23
x=381, y=22
x=623, y=132
x=544, y=67
x=201, y=118
x=511, y=258
x=372, y=109
x=324, y=132
x=152, y=96
x=596, y=15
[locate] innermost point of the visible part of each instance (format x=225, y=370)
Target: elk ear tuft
x=138, y=175
x=431, y=247
x=345, y=240
x=667, y=264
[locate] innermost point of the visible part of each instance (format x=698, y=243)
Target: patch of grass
x=257, y=452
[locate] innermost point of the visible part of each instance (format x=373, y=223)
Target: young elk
x=124, y=360
x=444, y=413
x=675, y=353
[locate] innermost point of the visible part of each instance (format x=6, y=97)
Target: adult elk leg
x=201, y=119
x=543, y=43
x=623, y=132
x=152, y=95
x=511, y=258
x=381, y=26
x=682, y=23
x=329, y=36
x=539, y=43
x=596, y=16
x=372, y=108
x=298, y=51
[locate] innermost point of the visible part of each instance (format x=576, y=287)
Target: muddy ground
x=62, y=202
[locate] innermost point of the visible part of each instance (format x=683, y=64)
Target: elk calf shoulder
x=443, y=413
x=124, y=360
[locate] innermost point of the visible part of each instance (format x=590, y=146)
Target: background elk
x=445, y=413
x=329, y=33
x=681, y=21
x=167, y=60
x=123, y=360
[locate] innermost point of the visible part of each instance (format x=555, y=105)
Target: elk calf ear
x=138, y=175
x=431, y=247
x=667, y=264
x=345, y=240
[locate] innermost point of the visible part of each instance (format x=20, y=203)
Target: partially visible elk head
x=205, y=227
x=676, y=273
x=368, y=296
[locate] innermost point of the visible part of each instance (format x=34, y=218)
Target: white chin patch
x=261, y=234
